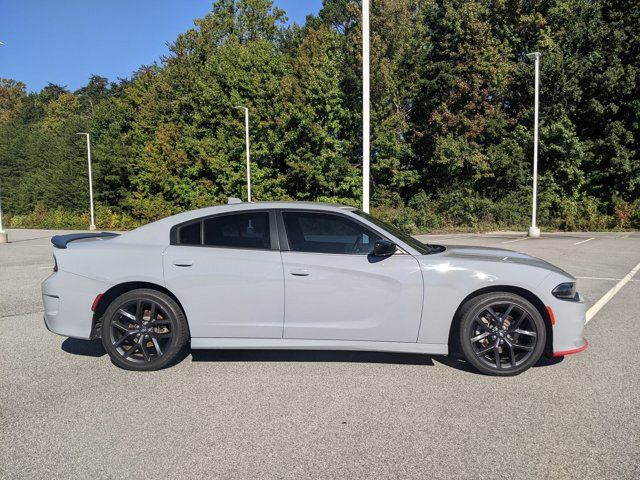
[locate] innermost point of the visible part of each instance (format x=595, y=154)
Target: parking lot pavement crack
x=21, y=314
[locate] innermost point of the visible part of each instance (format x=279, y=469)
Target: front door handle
x=299, y=272
x=183, y=263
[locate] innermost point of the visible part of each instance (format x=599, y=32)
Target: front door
x=227, y=276
x=336, y=290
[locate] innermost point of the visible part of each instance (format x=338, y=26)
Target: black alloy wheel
x=501, y=333
x=144, y=330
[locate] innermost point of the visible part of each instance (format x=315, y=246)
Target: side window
x=242, y=230
x=190, y=234
x=326, y=233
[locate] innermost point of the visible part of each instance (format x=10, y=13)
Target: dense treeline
x=452, y=116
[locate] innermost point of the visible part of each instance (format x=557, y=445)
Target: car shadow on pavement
x=309, y=356
x=94, y=348
x=86, y=348
x=460, y=364
x=545, y=361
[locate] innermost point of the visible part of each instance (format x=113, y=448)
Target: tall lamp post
x=534, y=231
x=365, y=106
x=93, y=223
x=246, y=134
x=4, y=238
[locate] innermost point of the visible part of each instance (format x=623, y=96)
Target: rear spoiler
x=61, y=241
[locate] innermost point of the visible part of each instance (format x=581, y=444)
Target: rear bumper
x=67, y=300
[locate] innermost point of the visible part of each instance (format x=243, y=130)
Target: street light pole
x=4, y=238
x=365, y=106
x=534, y=231
x=246, y=134
x=93, y=223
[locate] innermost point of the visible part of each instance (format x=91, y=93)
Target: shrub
x=584, y=213
x=422, y=214
x=625, y=214
x=41, y=217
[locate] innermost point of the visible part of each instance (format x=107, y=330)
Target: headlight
x=566, y=291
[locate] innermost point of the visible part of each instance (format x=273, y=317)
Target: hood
x=500, y=255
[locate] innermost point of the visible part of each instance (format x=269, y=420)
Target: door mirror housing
x=384, y=248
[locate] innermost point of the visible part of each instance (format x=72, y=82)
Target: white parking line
x=516, y=240
x=444, y=237
x=584, y=241
x=28, y=245
x=595, y=308
x=459, y=235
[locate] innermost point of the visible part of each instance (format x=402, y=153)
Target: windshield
x=423, y=248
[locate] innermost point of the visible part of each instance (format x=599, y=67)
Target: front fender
x=448, y=282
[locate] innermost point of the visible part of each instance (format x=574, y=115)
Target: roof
x=272, y=204
x=149, y=233
x=295, y=204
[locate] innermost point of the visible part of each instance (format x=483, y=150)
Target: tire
x=144, y=330
x=501, y=333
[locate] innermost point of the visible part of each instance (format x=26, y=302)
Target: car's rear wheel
x=501, y=333
x=144, y=330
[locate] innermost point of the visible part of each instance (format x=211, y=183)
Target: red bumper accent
x=552, y=316
x=96, y=301
x=572, y=351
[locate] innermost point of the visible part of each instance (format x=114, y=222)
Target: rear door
x=227, y=272
x=336, y=290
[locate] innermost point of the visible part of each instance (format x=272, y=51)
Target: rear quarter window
x=190, y=234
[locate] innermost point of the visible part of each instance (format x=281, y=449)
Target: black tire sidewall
x=474, y=306
x=178, y=323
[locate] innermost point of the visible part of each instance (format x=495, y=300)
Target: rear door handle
x=183, y=263
x=299, y=272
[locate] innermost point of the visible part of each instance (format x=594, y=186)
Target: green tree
x=314, y=145
x=452, y=115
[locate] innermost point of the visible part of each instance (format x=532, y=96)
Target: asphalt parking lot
x=67, y=412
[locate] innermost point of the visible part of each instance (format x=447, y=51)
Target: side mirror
x=384, y=248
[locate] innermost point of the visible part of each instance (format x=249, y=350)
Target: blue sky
x=65, y=41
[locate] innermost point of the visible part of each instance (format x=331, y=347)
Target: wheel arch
x=117, y=290
x=454, y=348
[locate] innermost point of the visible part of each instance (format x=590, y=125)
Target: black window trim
x=273, y=230
x=284, y=241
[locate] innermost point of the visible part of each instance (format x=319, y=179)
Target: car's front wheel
x=501, y=333
x=144, y=330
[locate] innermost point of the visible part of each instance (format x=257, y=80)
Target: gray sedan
x=306, y=276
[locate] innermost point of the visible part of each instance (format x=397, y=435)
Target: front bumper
x=67, y=300
x=568, y=331
x=562, y=353
x=570, y=318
